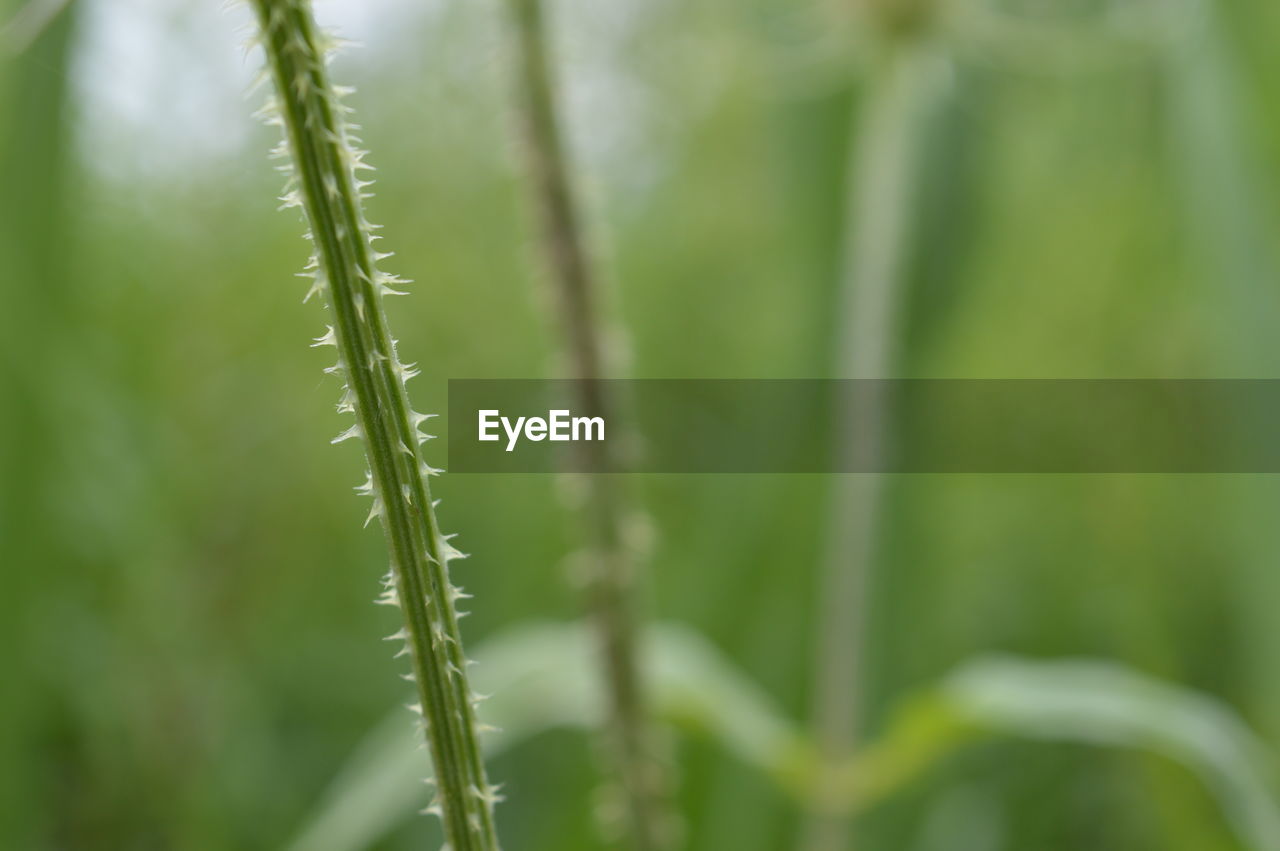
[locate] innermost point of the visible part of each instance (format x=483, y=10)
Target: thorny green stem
x=611, y=593
x=324, y=184
x=883, y=175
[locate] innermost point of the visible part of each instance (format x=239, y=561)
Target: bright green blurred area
x=189, y=652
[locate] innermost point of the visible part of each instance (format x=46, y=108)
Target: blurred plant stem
x=34, y=250
x=323, y=182
x=608, y=563
x=26, y=25
x=541, y=678
x=1230, y=221
x=903, y=90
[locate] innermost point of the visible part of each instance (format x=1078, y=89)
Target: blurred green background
x=189, y=652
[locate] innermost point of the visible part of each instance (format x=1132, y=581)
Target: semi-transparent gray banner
x=864, y=426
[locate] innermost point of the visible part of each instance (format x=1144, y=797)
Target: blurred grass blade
x=538, y=677
x=39, y=292
x=700, y=689
x=1230, y=218
x=1107, y=704
x=1231, y=224
x=1079, y=700
x=905, y=91
x=29, y=23
x=542, y=676
x=377, y=789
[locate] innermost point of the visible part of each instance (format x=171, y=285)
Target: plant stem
x=610, y=581
x=883, y=173
x=37, y=240
x=324, y=184
x=1230, y=221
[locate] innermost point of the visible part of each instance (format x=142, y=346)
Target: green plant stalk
x=323, y=182
x=610, y=581
x=1230, y=220
x=884, y=169
x=37, y=238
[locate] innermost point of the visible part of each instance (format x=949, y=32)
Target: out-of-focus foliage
x=189, y=654
x=542, y=676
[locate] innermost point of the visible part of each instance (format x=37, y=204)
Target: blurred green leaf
x=541, y=678
x=1107, y=704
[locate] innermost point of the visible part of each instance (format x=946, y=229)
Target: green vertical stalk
x=884, y=168
x=1230, y=219
x=324, y=183
x=37, y=289
x=610, y=581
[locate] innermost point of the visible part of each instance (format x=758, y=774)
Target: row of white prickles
x=383, y=285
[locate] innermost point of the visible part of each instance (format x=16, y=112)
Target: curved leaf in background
x=1107, y=704
x=540, y=677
